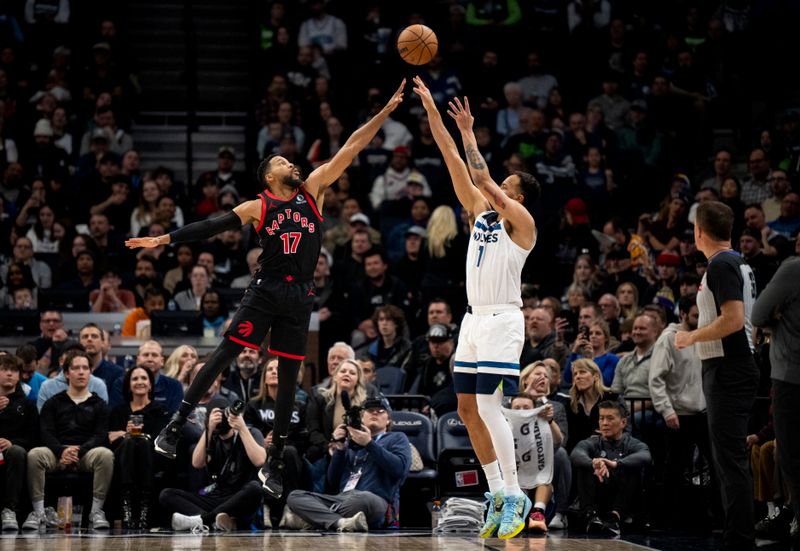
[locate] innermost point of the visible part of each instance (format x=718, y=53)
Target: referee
x=724, y=339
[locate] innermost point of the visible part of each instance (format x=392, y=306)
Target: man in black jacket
x=609, y=469
x=74, y=431
x=19, y=429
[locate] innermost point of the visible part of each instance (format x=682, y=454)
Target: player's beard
x=291, y=181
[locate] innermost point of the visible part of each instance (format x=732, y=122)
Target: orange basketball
x=417, y=44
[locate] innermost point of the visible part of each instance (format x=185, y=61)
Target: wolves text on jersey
x=485, y=237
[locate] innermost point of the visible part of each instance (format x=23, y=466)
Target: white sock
x=38, y=507
x=502, y=439
x=540, y=505
x=97, y=504
x=493, y=476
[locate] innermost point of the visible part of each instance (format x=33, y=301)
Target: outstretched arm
x=513, y=211
x=328, y=173
x=468, y=195
x=246, y=213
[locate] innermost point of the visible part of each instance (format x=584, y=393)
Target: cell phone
x=583, y=331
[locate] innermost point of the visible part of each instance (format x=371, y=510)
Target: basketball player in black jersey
x=286, y=216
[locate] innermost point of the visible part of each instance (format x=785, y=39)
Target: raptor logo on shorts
x=245, y=328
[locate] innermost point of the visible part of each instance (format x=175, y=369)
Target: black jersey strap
x=204, y=229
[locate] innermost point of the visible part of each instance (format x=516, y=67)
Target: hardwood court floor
x=405, y=541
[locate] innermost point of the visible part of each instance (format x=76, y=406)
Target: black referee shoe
x=167, y=441
x=271, y=474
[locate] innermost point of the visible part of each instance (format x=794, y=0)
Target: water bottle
x=436, y=513
x=172, y=306
x=128, y=362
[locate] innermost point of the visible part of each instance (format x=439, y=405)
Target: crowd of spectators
x=617, y=108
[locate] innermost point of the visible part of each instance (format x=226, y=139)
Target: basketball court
x=405, y=541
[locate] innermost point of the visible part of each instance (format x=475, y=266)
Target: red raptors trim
x=285, y=355
x=263, y=213
x=243, y=343
x=266, y=191
x=313, y=203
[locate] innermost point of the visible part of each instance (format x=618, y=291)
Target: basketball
x=417, y=44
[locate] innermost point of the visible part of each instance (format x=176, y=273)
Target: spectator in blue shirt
x=30, y=378
x=168, y=391
x=593, y=346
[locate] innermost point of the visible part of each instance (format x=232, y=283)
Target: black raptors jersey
x=290, y=235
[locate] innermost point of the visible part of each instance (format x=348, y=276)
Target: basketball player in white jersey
x=493, y=329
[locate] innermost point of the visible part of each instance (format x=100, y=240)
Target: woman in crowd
x=586, y=393
x=628, y=296
x=145, y=211
x=180, y=363
x=585, y=274
x=191, y=298
x=666, y=231
x=595, y=347
x=326, y=411
x=214, y=310
x=131, y=442
x=445, y=274
x=260, y=414
x=42, y=234
x=19, y=277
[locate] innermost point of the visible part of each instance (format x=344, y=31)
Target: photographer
x=233, y=453
x=368, y=465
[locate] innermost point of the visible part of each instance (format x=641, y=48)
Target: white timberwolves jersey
x=494, y=263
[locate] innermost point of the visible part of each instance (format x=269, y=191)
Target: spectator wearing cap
x=666, y=289
x=45, y=159
x=393, y=184
x=432, y=377
x=411, y=266
x=764, y=267
x=342, y=232
x=368, y=465
x=417, y=210
x=788, y=223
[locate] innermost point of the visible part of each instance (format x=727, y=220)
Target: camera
x=352, y=417
x=236, y=408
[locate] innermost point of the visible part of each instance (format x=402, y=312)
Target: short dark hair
x=127, y=395
x=715, y=219
x=686, y=302
x=9, y=361
x=152, y=292
x=27, y=353
x=377, y=251
x=71, y=355
x=688, y=278
x=443, y=301
x=264, y=168
x=95, y=326
x=528, y=185
x=612, y=404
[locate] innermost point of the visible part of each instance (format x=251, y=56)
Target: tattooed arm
x=522, y=227
x=468, y=195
